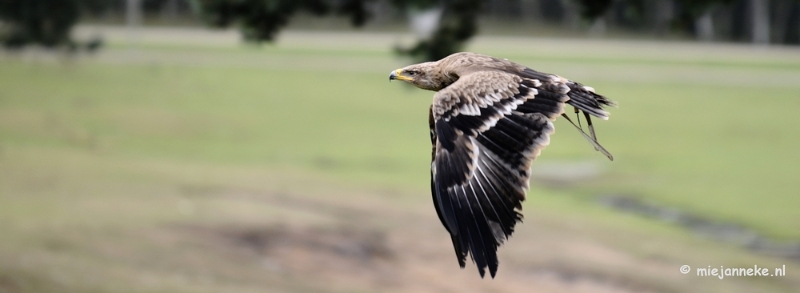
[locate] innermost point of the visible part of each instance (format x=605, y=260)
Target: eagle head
x=422, y=75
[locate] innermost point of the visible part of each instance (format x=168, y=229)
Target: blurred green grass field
x=98, y=145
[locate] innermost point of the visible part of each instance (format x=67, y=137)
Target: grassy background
x=150, y=168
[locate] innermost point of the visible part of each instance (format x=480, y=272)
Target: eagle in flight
x=489, y=120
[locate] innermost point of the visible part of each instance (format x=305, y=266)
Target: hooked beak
x=396, y=74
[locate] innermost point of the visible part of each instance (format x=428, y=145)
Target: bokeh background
x=152, y=148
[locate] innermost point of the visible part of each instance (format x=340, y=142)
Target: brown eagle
x=490, y=118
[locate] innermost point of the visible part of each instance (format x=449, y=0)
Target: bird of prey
x=490, y=118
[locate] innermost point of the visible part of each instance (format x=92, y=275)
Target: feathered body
x=489, y=120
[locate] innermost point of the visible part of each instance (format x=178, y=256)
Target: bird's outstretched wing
x=486, y=129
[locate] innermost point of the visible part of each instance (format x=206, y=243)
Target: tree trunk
x=759, y=12
x=598, y=27
x=704, y=27
x=664, y=14
x=792, y=32
x=170, y=11
x=133, y=15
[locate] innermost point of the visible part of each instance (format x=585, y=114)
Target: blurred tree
x=592, y=9
x=554, y=10
x=694, y=16
x=792, y=32
x=260, y=20
x=691, y=15
x=48, y=22
x=458, y=24
x=44, y=22
x=631, y=14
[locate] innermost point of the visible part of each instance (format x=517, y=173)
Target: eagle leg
x=578, y=111
x=591, y=127
x=594, y=142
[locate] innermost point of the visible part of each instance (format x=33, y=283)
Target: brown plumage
x=489, y=120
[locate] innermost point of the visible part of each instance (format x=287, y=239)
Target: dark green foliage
x=44, y=22
x=554, y=8
x=418, y=4
x=260, y=20
x=356, y=9
x=792, y=34
x=38, y=21
x=696, y=8
x=48, y=22
x=591, y=9
x=632, y=13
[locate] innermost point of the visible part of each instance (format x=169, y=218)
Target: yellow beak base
x=397, y=74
